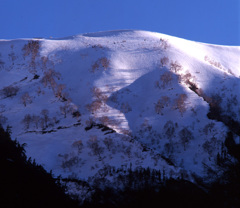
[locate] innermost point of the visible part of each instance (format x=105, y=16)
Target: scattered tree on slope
x=26, y=99
x=180, y=103
x=10, y=91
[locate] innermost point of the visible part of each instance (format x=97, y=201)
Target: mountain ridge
x=153, y=90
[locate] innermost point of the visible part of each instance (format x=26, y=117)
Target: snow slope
x=151, y=90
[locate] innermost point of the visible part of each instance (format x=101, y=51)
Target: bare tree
x=158, y=107
x=27, y=120
x=213, y=62
x=165, y=100
x=76, y=114
x=26, y=99
x=39, y=91
x=186, y=78
x=44, y=60
x=10, y=91
x=162, y=102
x=93, y=144
x=79, y=145
x=100, y=100
x=163, y=43
x=32, y=48
x=100, y=63
x=99, y=94
x=64, y=110
x=42, y=123
x=208, y=128
x=164, y=61
x=36, y=120
x=12, y=56
x=67, y=108
x=49, y=78
x=45, y=114
x=169, y=148
x=169, y=129
x=105, y=120
x=209, y=145
x=104, y=62
x=175, y=67
x=166, y=79
x=59, y=90
x=185, y=136
x=180, y=103
x=108, y=142
x=94, y=106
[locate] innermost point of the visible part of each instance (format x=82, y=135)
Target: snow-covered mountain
x=120, y=99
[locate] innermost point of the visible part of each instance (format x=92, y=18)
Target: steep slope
x=117, y=99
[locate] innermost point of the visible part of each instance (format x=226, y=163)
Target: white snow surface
x=116, y=78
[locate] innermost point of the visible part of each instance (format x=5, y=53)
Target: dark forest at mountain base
x=23, y=183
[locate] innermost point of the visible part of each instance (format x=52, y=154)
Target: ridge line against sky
x=208, y=21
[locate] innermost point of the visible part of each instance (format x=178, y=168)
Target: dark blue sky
x=210, y=21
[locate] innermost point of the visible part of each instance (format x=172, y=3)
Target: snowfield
x=120, y=99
